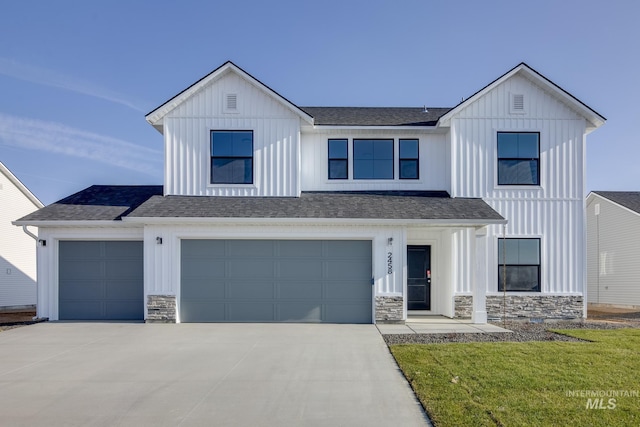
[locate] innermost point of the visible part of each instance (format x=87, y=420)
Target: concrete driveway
x=123, y=374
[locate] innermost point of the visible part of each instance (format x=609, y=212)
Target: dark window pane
x=408, y=148
x=508, y=145
x=232, y=157
x=408, y=169
x=221, y=144
x=383, y=169
x=372, y=159
x=518, y=172
x=338, y=169
x=528, y=145
x=338, y=149
x=243, y=144
x=363, y=169
x=520, y=278
x=362, y=149
x=229, y=170
x=383, y=149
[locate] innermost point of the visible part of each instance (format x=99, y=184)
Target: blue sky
x=77, y=77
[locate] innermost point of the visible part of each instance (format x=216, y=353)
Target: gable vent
x=517, y=103
x=231, y=102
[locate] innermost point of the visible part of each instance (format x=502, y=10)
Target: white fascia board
x=23, y=188
x=317, y=221
x=84, y=223
x=156, y=116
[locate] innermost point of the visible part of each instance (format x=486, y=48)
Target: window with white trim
x=518, y=158
x=519, y=264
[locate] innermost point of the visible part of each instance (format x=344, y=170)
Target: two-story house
x=273, y=212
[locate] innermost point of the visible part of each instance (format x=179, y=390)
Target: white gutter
x=76, y=223
x=314, y=221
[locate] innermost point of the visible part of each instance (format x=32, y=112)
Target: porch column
x=478, y=282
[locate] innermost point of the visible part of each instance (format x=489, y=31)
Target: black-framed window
x=518, y=158
x=373, y=159
x=338, y=159
x=408, y=159
x=522, y=265
x=231, y=157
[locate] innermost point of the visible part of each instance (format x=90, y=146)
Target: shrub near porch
x=532, y=383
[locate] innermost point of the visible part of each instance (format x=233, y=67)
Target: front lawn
x=530, y=383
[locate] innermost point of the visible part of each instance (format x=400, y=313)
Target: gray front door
x=276, y=281
x=419, y=279
x=100, y=280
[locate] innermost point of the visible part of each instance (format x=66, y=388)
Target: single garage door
x=276, y=281
x=100, y=280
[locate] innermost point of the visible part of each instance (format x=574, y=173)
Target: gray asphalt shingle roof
x=96, y=203
x=101, y=202
x=375, y=116
x=376, y=205
x=628, y=199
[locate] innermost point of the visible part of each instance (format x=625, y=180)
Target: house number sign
x=389, y=262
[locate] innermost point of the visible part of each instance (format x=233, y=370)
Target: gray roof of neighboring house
x=628, y=199
x=96, y=203
x=375, y=116
x=338, y=205
x=101, y=202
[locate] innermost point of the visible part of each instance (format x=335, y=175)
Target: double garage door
x=223, y=281
x=276, y=281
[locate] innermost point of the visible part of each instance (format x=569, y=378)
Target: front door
x=419, y=278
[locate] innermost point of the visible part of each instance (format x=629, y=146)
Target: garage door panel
x=251, y=312
x=100, y=280
x=84, y=290
x=80, y=250
x=299, y=312
x=203, y=268
x=311, y=269
x=251, y=290
x=202, y=311
x=204, y=288
x=300, y=248
x=300, y=290
x=250, y=268
x=347, y=269
x=278, y=281
x=79, y=269
x=250, y=248
x=123, y=268
x=205, y=249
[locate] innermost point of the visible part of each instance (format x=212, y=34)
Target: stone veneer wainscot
x=161, y=308
x=389, y=309
x=550, y=307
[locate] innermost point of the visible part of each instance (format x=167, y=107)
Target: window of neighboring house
x=232, y=157
x=338, y=159
x=409, y=159
x=518, y=158
x=522, y=265
x=373, y=159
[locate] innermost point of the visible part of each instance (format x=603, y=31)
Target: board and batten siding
x=276, y=141
x=552, y=211
x=613, y=254
x=17, y=250
x=433, y=163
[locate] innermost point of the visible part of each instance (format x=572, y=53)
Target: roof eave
x=74, y=223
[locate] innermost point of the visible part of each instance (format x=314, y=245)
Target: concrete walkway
x=438, y=325
x=124, y=374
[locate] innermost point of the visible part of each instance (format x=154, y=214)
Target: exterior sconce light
x=159, y=240
x=390, y=241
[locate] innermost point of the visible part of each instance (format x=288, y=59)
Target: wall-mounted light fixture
x=390, y=241
x=42, y=242
x=159, y=240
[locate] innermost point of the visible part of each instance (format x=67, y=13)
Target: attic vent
x=517, y=103
x=231, y=103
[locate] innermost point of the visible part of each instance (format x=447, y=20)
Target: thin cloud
x=42, y=76
x=52, y=137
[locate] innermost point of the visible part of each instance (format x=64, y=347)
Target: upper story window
x=522, y=260
x=338, y=159
x=518, y=158
x=409, y=159
x=231, y=157
x=373, y=159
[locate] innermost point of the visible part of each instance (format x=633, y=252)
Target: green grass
x=526, y=384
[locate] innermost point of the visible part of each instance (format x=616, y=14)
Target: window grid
x=515, y=168
x=231, y=157
x=409, y=159
x=520, y=275
x=338, y=164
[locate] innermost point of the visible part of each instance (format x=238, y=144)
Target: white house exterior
x=17, y=250
x=613, y=248
x=274, y=212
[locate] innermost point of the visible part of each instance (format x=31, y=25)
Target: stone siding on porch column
x=389, y=309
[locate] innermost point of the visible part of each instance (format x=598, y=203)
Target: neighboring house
x=17, y=249
x=613, y=248
x=275, y=212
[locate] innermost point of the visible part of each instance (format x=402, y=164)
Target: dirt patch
x=630, y=317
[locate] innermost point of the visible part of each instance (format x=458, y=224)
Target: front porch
x=438, y=325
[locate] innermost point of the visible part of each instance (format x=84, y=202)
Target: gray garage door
x=100, y=280
x=276, y=281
